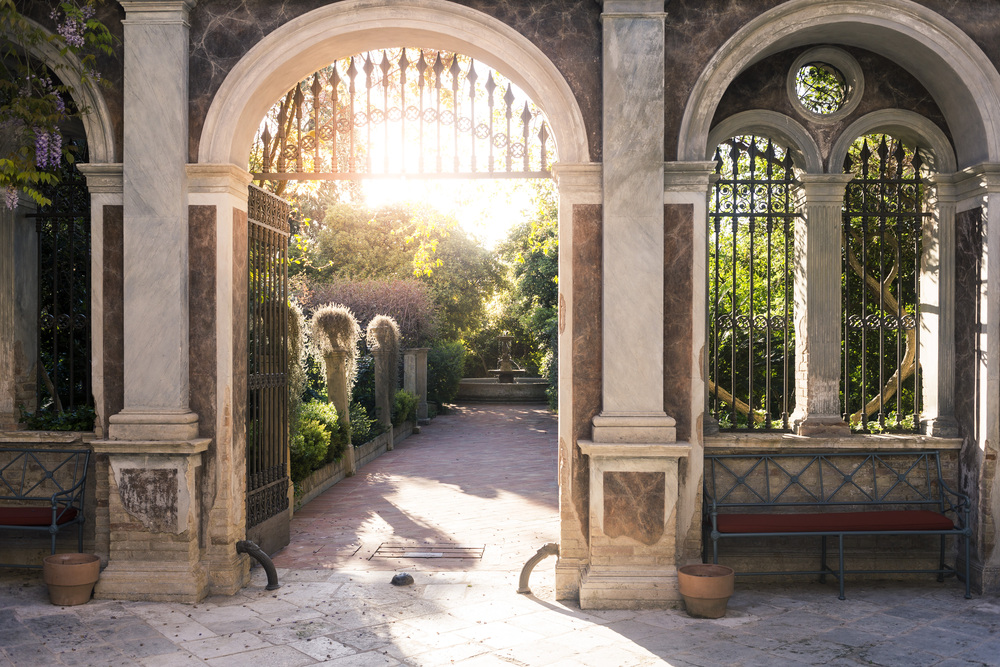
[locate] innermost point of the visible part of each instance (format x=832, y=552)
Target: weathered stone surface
x=634, y=504
x=150, y=496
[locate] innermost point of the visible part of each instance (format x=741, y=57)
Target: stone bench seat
x=860, y=493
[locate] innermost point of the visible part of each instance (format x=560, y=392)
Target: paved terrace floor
x=480, y=477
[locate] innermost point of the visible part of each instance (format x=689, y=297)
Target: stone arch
x=317, y=38
x=86, y=95
x=945, y=60
x=775, y=126
x=905, y=125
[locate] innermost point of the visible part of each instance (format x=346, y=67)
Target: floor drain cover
x=428, y=551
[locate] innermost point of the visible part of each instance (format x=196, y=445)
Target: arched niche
x=945, y=60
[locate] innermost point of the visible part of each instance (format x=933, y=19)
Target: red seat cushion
x=33, y=516
x=834, y=522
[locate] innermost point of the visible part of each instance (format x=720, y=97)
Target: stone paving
x=336, y=606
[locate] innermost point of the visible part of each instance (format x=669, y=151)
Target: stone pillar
x=153, y=446
x=218, y=362
x=937, y=311
x=385, y=377
x=633, y=486
x=18, y=312
x=817, y=306
x=104, y=182
x=415, y=379
x=579, y=360
x=336, y=388
x=633, y=67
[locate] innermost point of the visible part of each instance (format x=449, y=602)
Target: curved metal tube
x=550, y=549
x=249, y=548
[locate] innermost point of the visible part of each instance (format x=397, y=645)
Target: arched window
x=751, y=338
x=882, y=229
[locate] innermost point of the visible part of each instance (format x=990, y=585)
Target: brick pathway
x=336, y=607
x=481, y=476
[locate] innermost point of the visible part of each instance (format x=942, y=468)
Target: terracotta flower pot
x=71, y=577
x=706, y=589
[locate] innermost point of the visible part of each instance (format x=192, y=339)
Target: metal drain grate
x=429, y=551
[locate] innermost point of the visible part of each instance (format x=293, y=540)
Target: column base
x=151, y=581
x=612, y=427
x=940, y=427
x=630, y=588
x=144, y=425
x=228, y=576
x=568, y=574
x=826, y=425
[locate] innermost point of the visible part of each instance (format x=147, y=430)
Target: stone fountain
x=508, y=370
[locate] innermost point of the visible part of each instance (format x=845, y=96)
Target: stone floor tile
x=30, y=654
x=811, y=651
x=987, y=653
x=369, y=659
x=893, y=654
x=853, y=636
x=939, y=641
x=497, y=635
x=274, y=656
x=95, y=655
x=322, y=648
x=175, y=659
x=366, y=639
x=460, y=653
x=185, y=630
x=142, y=648
x=215, y=647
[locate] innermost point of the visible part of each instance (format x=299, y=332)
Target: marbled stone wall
x=240, y=277
x=114, y=314
x=567, y=31
x=587, y=341
x=678, y=317
x=968, y=267
x=635, y=505
x=202, y=352
x=887, y=86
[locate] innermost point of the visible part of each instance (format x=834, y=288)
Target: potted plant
x=706, y=589
x=70, y=577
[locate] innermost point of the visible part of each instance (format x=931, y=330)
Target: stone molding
x=151, y=447
x=905, y=125
x=582, y=182
x=688, y=176
x=157, y=11
x=789, y=132
x=218, y=179
x=316, y=38
x=103, y=178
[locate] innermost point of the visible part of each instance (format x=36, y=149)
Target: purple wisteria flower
x=72, y=28
x=48, y=148
x=10, y=197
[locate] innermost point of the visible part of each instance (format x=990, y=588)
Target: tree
x=33, y=101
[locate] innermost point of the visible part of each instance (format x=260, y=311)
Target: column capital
x=824, y=188
x=157, y=11
x=218, y=178
x=632, y=8
x=579, y=177
x=103, y=178
x=688, y=176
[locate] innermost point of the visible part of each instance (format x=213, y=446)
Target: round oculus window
x=820, y=88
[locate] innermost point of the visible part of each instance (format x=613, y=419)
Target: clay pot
x=71, y=577
x=706, y=589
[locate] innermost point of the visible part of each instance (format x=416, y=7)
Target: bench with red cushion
x=833, y=495
x=42, y=490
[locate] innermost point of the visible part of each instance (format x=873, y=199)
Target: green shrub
x=404, y=407
x=363, y=427
x=326, y=414
x=445, y=363
x=80, y=418
x=308, y=449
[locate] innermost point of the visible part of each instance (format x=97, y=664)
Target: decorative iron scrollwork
x=403, y=112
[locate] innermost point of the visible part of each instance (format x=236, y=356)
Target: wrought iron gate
x=63, y=229
x=267, y=370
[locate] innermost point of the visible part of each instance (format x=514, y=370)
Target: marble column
x=817, y=306
x=156, y=226
x=937, y=311
x=154, y=452
x=633, y=71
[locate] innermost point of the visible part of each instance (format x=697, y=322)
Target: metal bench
x=42, y=490
x=858, y=493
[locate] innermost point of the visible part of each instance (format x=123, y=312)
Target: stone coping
x=141, y=447
x=644, y=450
x=789, y=442
x=45, y=437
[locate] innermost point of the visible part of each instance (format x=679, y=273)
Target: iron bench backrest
x=906, y=479
x=30, y=476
